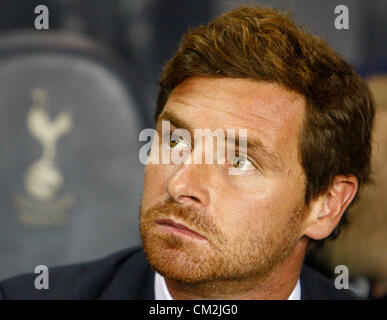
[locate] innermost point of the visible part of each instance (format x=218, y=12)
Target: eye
x=172, y=141
x=175, y=140
x=243, y=164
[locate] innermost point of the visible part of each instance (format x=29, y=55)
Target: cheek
x=155, y=177
x=260, y=205
x=247, y=211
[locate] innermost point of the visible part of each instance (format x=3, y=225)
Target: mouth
x=178, y=228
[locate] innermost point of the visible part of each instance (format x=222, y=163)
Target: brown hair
x=263, y=44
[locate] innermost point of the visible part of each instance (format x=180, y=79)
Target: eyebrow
x=254, y=145
x=176, y=121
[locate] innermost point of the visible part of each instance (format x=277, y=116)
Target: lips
x=179, y=228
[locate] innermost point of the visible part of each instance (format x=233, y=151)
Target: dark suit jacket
x=128, y=275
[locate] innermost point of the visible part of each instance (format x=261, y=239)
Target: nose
x=186, y=186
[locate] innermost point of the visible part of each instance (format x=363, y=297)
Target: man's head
x=309, y=117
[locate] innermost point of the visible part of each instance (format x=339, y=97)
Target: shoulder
x=79, y=281
x=315, y=286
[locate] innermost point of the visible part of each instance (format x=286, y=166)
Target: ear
x=327, y=210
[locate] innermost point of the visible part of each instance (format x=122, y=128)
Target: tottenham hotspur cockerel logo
x=43, y=179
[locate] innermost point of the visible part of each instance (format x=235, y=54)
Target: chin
x=177, y=259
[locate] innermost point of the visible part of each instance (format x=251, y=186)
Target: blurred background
x=75, y=97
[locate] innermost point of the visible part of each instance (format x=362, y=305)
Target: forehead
x=268, y=111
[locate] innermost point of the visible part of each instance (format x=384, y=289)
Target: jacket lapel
x=134, y=280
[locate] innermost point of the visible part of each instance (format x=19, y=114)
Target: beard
x=232, y=257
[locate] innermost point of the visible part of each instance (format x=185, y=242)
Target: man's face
x=248, y=222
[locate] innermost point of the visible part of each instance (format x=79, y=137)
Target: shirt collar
x=162, y=292
x=161, y=289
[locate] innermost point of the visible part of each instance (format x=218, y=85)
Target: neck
x=278, y=284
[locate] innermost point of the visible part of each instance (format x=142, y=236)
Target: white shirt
x=162, y=292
